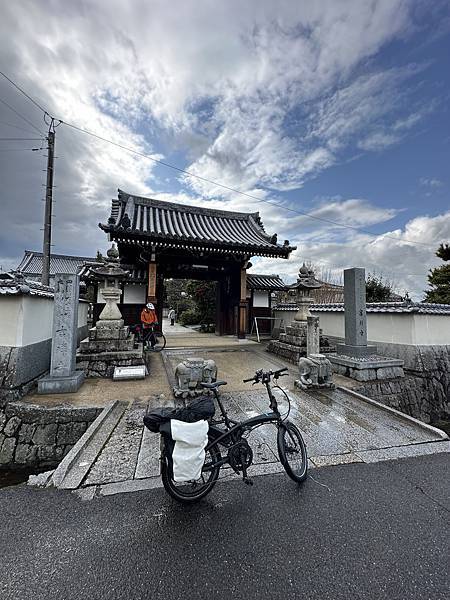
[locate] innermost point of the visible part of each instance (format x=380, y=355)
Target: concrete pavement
x=360, y=531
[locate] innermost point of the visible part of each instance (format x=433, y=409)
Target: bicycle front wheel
x=192, y=491
x=292, y=451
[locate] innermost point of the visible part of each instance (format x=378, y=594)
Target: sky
x=339, y=110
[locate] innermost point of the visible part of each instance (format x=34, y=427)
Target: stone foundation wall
x=33, y=436
x=424, y=393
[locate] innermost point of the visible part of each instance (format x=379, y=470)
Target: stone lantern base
x=108, y=346
x=291, y=345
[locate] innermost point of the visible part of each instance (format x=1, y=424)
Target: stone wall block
x=45, y=435
x=25, y=454
x=2, y=420
x=47, y=453
x=7, y=451
x=12, y=426
x=26, y=432
x=70, y=433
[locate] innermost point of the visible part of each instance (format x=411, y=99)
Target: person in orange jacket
x=148, y=320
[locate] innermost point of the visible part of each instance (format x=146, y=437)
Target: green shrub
x=190, y=317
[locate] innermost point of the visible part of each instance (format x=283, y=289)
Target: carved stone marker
x=355, y=315
x=312, y=336
x=63, y=377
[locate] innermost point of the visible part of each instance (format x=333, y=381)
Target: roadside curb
x=396, y=412
x=67, y=462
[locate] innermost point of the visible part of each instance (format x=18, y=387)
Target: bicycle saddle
x=214, y=385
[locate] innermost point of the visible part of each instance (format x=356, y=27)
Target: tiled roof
x=31, y=263
x=423, y=308
x=16, y=285
x=146, y=221
x=136, y=274
x=265, y=282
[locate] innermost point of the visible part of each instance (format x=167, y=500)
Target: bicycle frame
x=234, y=430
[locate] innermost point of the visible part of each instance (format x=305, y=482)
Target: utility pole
x=45, y=280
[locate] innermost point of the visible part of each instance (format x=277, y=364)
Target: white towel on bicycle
x=189, y=452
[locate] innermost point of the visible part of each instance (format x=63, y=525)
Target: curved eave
x=134, y=237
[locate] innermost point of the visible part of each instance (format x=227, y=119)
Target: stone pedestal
x=63, y=378
x=108, y=346
x=367, y=368
x=292, y=344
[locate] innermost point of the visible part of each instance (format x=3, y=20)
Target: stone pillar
x=355, y=315
x=242, y=325
x=312, y=336
x=63, y=377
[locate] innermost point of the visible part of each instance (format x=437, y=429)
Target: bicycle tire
x=290, y=446
x=188, y=493
x=160, y=343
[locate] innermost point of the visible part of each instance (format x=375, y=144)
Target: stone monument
x=110, y=343
x=190, y=373
x=355, y=358
x=315, y=372
x=63, y=377
x=292, y=344
x=355, y=315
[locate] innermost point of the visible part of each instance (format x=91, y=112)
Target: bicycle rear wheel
x=159, y=341
x=191, y=491
x=292, y=451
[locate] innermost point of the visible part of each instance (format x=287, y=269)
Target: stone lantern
x=301, y=291
x=111, y=273
x=110, y=343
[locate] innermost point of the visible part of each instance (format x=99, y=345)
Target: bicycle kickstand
x=245, y=479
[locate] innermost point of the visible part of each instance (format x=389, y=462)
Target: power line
x=19, y=149
x=23, y=92
x=6, y=139
x=15, y=126
x=215, y=183
x=21, y=116
x=236, y=191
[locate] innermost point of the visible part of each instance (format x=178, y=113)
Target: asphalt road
x=375, y=531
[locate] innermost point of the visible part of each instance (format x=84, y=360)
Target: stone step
x=74, y=467
x=98, y=345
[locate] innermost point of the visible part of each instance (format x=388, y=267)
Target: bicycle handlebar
x=265, y=375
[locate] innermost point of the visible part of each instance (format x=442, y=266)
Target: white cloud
x=258, y=94
x=391, y=254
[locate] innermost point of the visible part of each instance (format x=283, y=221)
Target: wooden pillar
x=151, y=290
x=242, y=324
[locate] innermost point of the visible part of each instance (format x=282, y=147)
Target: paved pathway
x=338, y=428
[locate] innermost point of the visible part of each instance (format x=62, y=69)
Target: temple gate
x=167, y=240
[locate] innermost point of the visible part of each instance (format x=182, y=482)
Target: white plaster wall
x=26, y=320
x=432, y=329
x=260, y=299
x=11, y=317
x=134, y=294
x=37, y=319
x=394, y=328
x=83, y=308
x=331, y=323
